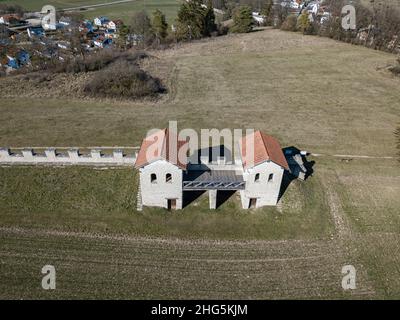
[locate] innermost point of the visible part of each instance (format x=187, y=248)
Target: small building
x=111, y=25
x=65, y=21
x=263, y=166
x=23, y=57
x=64, y=45
x=101, y=21
x=10, y=19
x=165, y=177
x=18, y=59
x=86, y=27
x=134, y=39
x=110, y=33
x=36, y=32
x=102, y=42
x=161, y=174
x=258, y=18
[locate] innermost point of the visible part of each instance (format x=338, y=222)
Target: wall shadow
x=223, y=196
x=212, y=153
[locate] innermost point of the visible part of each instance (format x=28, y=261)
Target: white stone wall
x=266, y=192
x=67, y=157
x=157, y=194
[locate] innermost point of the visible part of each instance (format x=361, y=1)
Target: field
x=335, y=100
x=123, y=11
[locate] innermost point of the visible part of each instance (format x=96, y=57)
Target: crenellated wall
x=50, y=156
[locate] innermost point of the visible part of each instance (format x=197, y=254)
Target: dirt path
x=342, y=225
x=351, y=156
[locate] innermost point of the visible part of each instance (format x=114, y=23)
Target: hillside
x=335, y=100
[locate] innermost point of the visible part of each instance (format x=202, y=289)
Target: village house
x=17, y=59
x=65, y=21
x=101, y=22
x=258, y=18
x=102, y=42
x=110, y=33
x=36, y=32
x=256, y=172
x=10, y=19
x=111, y=25
x=86, y=26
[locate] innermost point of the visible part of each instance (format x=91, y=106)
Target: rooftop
x=213, y=179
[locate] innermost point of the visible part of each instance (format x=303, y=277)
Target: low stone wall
x=68, y=157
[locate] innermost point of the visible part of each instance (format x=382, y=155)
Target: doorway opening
x=171, y=204
x=253, y=203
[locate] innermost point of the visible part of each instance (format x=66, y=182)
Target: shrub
x=396, y=69
x=122, y=79
x=11, y=8
x=397, y=134
x=290, y=23
x=96, y=61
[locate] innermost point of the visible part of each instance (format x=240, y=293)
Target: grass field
x=123, y=11
x=326, y=97
x=88, y=200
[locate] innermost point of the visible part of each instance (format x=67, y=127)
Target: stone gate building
x=167, y=171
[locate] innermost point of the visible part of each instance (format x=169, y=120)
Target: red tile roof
x=157, y=146
x=9, y=16
x=266, y=148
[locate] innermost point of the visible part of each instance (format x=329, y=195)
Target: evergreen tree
x=209, y=20
x=190, y=21
x=304, y=23
x=195, y=20
x=160, y=25
x=122, y=36
x=242, y=20
x=266, y=8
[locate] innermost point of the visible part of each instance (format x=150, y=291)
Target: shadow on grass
x=223, y=196
x=190, y=196
x=295, y=169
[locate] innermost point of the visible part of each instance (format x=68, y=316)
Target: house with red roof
x=161, y=169
x=263, y=165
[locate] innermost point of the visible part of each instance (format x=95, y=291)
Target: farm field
x=333, y=99
x=123, y=11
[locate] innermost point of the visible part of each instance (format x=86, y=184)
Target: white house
x=165, y=177
x=111, y=25
x=65, y=21
x=263, y=168
x=101, y=21
x=161, y=173
x=258, y=18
